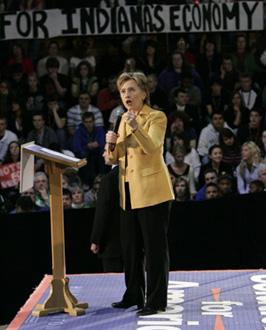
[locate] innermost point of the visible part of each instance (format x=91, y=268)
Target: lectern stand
x=60, y=298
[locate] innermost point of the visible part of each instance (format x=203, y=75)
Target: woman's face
x=245, y=153
x=216, y=155
x=236, y=100
x=177, y=61
x=179, y=157
x=14, y=149
x=228, y=141
x=77, y=196
x=180, y=188
x=177, y=126
x=83, y=71
x=132, y=95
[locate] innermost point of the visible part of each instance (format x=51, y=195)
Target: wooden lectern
x=60, y=298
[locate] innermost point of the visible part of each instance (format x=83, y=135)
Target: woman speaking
x=145, y=189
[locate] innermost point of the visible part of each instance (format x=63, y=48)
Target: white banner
x=212, y=17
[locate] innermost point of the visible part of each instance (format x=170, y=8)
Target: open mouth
x=128, y=102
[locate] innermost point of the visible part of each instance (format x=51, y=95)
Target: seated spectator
x=182, y=46
x=247, y=170
x=41, y=134
x=248, y=92
x=74, y=114
x=130, y=65
x=181, y=190
x=215, y=162
x=90, y=197
x=55, y=83
x=180, y=169
x=18, y=120
x=236, y=114
x=18, y=57
x=194, y=93
x=108, y=98
x=209, y=135
x=210, y=175
x=262, y=174
x=229, y=77
x=84, y=80
x=179, y=124
x=253, y=130
x=191, y=157
x=256, y=186
x=5, y=98
x=34, y=97
x=24, y=204
x=6, y=137
x=77, y=195
x=57, y=118
x=18, y=81
x=225, y=185
x=212, y=191
x=262, y=144
x=31, y=193
x=89, y=143
x=150, y=61
x=52, y=51
x=41, y=189
x=230, y=147
x=243, y=59
x=13, y=153
x=215, y=101
x=180, y=103
x=157, y=97
x=67, y=199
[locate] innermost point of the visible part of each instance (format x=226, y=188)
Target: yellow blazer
x=146, y=172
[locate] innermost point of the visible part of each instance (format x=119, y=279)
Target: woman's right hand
x=111, y=137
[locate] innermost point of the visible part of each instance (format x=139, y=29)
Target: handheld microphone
x=119, y=114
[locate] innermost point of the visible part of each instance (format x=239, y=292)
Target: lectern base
x=60, y=300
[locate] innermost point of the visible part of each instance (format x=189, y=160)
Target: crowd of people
x=62, y=94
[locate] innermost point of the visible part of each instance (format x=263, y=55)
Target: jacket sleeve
x=154, y=138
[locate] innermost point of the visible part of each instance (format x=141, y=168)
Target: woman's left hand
x=130, y=119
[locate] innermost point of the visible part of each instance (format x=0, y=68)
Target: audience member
x=248, y=93
x=181, y=190
x=6, y=137
x=256, y=186
x=41, y=188
x=34, y=97
x=77, y=196
x=67, y=199
x=210, y=175
x=252, y=131
x=13, y=153
x=18, y=57
x=230, y=147
x=225, y=184
x=212, y=191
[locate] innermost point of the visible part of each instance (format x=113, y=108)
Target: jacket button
x=131, y=171
x=131, y=156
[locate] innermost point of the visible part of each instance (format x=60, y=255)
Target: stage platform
x=200, y=300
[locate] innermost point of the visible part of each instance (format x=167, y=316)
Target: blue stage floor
x=200, y=300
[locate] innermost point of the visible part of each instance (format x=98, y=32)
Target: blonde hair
x=139, y=78
x=255, y=156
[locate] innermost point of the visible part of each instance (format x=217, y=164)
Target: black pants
x=144, y=232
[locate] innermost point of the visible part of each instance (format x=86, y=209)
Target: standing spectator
x=249, y=94
x=6, y=137
x=247, y=170
x=182, y=46
x=74, y=114
x=53, y=51
x=150, y=61
x=41, y=134
x=89, y=143
x=209, y=135
x=18, y=56
x=108, y=99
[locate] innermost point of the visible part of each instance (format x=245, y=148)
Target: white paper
x=56, y=153
x=26, y=169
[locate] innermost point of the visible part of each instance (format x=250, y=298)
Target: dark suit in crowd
x=106, y=226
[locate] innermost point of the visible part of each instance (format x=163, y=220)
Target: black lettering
x=156, y=14
x=250, y=12
x=3, y=23
x=174, y=15
x=113, y=19
x=196, y=17
x=230, y=14
x=185, y=16
x=39, y=18
x=206, y=17
x=147, y=18
x=217, y=18
x=123, y=21
x=102, y=20
x=136, y=19
x=87, y=20
x=69, y=17
x=23, y=17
